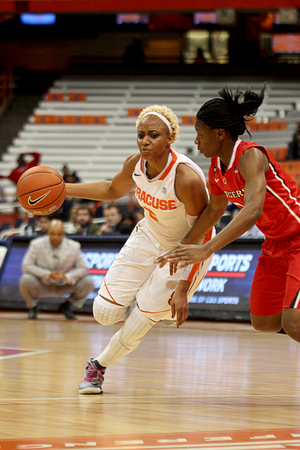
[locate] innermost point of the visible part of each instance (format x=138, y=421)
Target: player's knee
x=103, y=315
x=267, y=324
x=291, y=323
x=107, y=313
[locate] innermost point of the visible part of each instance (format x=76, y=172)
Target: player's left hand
x=180, y=307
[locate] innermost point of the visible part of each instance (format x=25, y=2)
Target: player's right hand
x=163, y=260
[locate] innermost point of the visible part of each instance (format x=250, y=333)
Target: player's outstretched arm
x=206, y=220
x=253, y=167
x=120, y=185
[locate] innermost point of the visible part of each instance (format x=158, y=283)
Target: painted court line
x=10, y=352
x=271, y=439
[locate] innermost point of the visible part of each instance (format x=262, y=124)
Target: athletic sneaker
x=92, y=380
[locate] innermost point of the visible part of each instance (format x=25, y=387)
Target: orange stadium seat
x=51, y=97
x=133, y=112
x=293, y=169
x=278, y=153
x=278, y=125
x=58, y=119
x=77, y=97
x=187, y=120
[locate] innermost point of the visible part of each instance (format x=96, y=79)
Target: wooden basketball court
x=207, y=385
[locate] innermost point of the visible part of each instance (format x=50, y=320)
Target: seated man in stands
x=36, y=226
x=53, y=266
x=22, y=166
x=294, y=145
x=85, y=220
x=113, y=222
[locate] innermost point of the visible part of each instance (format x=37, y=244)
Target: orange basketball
x=41, y=190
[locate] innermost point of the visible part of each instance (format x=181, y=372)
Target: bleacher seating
x=89, y=124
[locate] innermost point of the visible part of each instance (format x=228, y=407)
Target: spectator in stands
x=53, y=266
x=294, y=145
x=98, y=209
x=72, y=226
x=68, y=176
x=114, y=223
x=138, y=215
x=72, y=178
x=65, y=172
x=128, y=220
x=43, y=223
x=85, y=220
x=22, y=166
x=134, y=53
x=36, y=226
x=200, y=57
x=65, y=210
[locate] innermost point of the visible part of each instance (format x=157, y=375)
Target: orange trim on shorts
x=193, y=272
x=208, y=236
x=195, y=268
x=155, y=312
x=108, y=291
x=199, y=282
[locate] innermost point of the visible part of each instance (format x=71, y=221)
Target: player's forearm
x=203, y=224
x=92, y=191
x=245, y=219
x=183, y=286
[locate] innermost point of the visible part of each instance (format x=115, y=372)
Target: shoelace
x=93, y=374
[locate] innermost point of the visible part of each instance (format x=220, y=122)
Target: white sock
x=127, y=338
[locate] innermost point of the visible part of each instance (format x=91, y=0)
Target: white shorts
x=134, y=276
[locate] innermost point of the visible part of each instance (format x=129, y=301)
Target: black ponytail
x=232, y=111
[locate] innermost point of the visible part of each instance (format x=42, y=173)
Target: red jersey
x=19, y=170
x=281, y=213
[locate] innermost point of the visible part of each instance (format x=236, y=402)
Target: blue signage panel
x=223, y=294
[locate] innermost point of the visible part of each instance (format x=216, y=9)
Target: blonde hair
x=167, y=113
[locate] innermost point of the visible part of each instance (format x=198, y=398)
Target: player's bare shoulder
x=130, y=162
x=187, y=177
x=253, y=157
x=190, y=189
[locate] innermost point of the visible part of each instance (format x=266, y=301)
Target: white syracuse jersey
x=165, y=214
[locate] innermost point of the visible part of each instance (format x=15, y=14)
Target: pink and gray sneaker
x=92, y=380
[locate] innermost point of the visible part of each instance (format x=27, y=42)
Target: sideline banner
x=223, y=294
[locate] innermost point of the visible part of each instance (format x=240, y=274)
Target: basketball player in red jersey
x=248, y=176
x=172, y=191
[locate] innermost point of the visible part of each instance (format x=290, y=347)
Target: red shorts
x=276, y=282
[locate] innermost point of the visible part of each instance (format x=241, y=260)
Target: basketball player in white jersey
x=172, y=190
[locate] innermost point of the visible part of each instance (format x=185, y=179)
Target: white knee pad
x=107, y=313
x=127, y=338
x=134, y=329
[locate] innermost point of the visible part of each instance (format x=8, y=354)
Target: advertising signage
x=223, y=294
